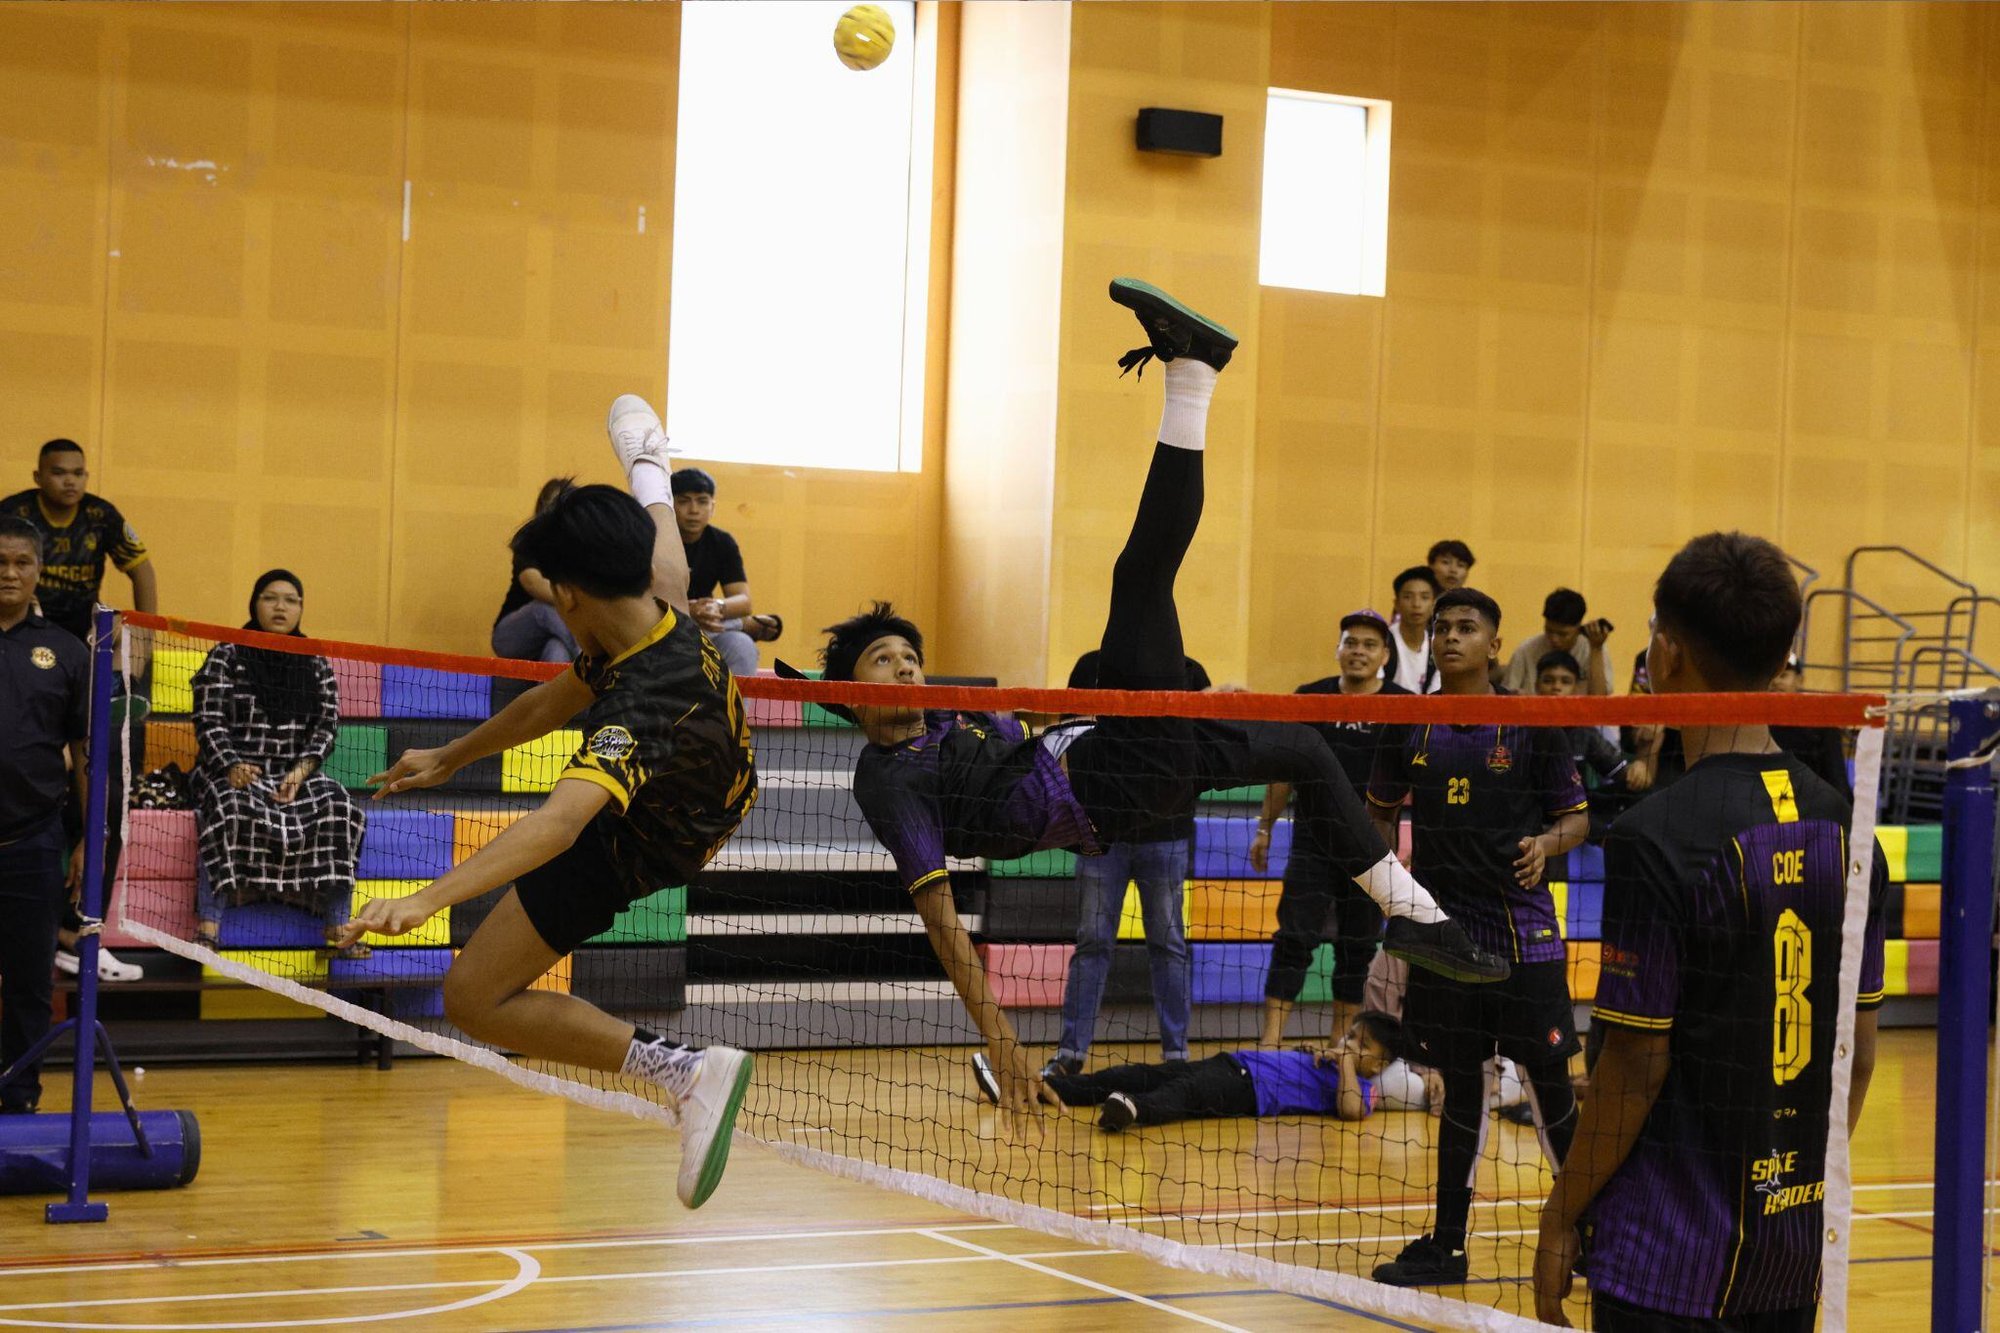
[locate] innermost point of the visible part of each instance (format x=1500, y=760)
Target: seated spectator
x=1157, y=863
x=272, y=826
x=1598, y=760
x=1822, y=749
x=714, y=559
x=1451, y=562
x=528, y=629
x=1563, y=631
x=1656, y=751
x=1416, y=590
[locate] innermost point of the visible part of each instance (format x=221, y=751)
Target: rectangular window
x=1326, y=193
x=801, y=240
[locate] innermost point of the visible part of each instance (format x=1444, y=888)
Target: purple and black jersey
x=1475, y=792
x=1723, y=907
x=971, y=785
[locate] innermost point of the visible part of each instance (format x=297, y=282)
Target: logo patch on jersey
x=1555, y=1036
x=1500, y=760
x=613, y=743
x=45, y=658
x=1421, y=759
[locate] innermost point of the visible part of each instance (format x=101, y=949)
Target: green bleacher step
x=1054, y=864
x=658, y=918
x=360, y=751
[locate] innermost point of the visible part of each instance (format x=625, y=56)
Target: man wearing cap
x=1312, y=891
x=714, y=559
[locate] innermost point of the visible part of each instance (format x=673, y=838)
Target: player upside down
x=663, y=777
x=934, y=785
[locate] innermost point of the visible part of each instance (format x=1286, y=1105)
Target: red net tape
x=1676, y=710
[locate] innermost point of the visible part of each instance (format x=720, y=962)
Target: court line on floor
x=1081, y=1281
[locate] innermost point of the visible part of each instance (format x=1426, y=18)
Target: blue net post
x=1958, y=1255
x=78, y=1207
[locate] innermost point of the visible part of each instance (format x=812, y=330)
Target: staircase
x=1902, y=625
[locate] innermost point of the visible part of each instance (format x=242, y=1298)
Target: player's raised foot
x=1443, y=947
x=636, y=433
x=983, y=1075
x=708, y=1121
x=1120, y=1113
x=1172, y=330
x=1423, y=1263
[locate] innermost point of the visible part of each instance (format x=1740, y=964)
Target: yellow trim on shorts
x=1637, y=1021
x=602, y=779
x=927, y=879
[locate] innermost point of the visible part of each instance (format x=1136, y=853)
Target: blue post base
x=77, y=1212
x=34, y=1156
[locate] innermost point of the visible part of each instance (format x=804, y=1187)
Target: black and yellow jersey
x=669, y=739
x=74, y=554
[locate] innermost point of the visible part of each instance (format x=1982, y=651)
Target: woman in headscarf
x=273, y=827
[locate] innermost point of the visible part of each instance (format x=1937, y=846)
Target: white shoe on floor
x=708, y=1121
x=108, y=966
x=636, y=433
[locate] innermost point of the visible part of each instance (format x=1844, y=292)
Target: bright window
x=801, y=216
x=1326, y=193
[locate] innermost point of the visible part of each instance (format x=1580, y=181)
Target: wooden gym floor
x=433, y=1196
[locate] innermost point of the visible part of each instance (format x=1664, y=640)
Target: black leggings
x=1462, y=1132
x=1312, y=894
x=1202, y=1090
x=1131, y=772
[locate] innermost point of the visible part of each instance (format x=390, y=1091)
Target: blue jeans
x=533, y=633
x=1160, y=870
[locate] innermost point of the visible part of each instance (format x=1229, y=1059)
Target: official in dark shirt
x=44, y=709
x=715, y=563
x=1312, y=892
x=1700, y=1160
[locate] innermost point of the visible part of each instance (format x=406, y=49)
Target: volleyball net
x=1259, y=1089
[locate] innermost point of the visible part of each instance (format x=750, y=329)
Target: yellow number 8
x=1791, y=1016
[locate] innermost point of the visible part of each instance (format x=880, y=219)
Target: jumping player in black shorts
x=934, y=785
x=1489, y=806
x=664, y=776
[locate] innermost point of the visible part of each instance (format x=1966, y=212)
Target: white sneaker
x=108, y=966
x=708, y=1121
x=636, y=434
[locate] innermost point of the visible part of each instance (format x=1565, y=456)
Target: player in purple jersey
x=938, y=785
x=1700, y=1159
x=1489, y=805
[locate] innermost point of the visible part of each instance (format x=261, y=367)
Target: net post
x=78, y=1207
x=1964, y=1001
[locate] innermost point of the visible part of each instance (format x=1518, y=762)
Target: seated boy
x=1299, y=1081
x=1598, y=760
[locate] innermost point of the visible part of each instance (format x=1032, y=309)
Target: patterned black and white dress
x=302, y=852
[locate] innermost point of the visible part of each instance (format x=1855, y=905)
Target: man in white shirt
x=1410, y=664
x=1564, y=630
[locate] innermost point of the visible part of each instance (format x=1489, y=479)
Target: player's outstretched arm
x=1021, y=1089
x=535, y=713
x=530, y=841
x=1623, y=1088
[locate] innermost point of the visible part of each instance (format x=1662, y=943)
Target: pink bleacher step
x=165, y=905
x=1027, y=976
x=775, y=713
x=160, y=845
x=360, y=687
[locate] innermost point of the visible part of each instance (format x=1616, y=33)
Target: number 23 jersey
x=1724, y=900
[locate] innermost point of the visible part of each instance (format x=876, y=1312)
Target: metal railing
x=1913, y=753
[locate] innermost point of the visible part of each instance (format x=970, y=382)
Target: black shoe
x=1442, y=947
x=983, y=1075
x=1120, y=1112
x=1423, y=1263
x=1520, y=1113
x=1061, y=1067
x=1171, y=328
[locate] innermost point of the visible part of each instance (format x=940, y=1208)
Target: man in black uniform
x=81, y=533
x=1489, y=806
x=1312, y=888
x=663, y=777
x=1700, y=1159
x=44, y=707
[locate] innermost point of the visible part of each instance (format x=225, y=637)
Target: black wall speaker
x=1188, y=133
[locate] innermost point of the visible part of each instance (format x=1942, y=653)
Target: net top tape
x=1675, y=710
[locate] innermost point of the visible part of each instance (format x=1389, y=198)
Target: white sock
x=650, y=484
x=661, y=1062
x=1184, y=416
x=1397, y=892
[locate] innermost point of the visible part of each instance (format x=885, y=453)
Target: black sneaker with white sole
x=1444, y=948
x=1172, y=330
x=1120, y=1112
x=1423, y=1263
x=985, y=1078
